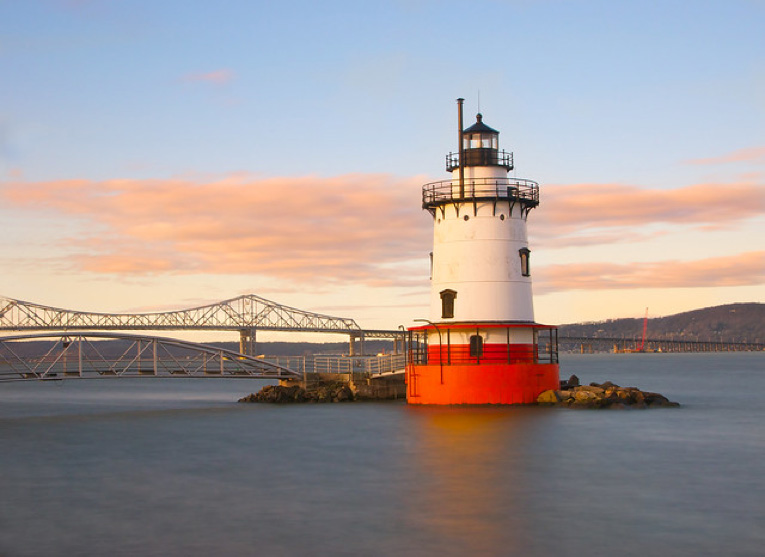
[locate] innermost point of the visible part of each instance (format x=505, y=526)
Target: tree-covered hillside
x=733, y=322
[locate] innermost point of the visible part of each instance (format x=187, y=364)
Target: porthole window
x=447, y=303
x=525, y=263
x=501, y=217
x=467, y=217
x=476, y=346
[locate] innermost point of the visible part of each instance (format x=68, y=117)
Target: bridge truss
x=247, y=312
x=58, y=356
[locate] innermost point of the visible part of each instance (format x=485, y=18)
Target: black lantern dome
x=480, y=136
x=480, y=145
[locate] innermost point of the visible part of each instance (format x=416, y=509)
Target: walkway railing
x=81, y=355
x=480, y=157
x=519, y=190
x=371, y=365
x=543, y=351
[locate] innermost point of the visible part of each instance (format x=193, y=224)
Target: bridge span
x=58, y=356
x=585, y=344
x=246, y=314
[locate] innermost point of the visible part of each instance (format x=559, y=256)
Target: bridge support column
x=352, y=345
x=247, y=342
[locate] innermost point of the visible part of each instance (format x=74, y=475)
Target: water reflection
x=475, y=485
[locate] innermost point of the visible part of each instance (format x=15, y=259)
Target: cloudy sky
x=167, y=154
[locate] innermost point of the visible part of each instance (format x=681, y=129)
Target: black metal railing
x=543, y=351
x=548, y=346
x=480, y=189
x=480, y=157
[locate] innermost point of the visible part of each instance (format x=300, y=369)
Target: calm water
x=176, y=467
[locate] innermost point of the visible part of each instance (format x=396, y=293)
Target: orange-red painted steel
x=491, y=383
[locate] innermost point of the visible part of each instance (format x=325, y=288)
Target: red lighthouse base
x=489, y=383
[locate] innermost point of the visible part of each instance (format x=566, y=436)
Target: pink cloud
x=218, y=76
x=362, y=228
x=754, y=154
x=616, y=212
x=744, y=269
x=350, y=227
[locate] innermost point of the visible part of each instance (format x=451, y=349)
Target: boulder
x=657, y=400
x=624, y=395
x=602, y=395
x=611, y=396
x=587, y=399
x=342, y=393
x=583, y=396
x=548, y=397
x=569, y=383
x=591, y=389
x=565, y=396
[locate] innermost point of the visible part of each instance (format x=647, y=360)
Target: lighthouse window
x=525, y=264
x=476, y=346
x=447, y=303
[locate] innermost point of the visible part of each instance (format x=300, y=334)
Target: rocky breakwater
x=280, y=394
x=602, y=395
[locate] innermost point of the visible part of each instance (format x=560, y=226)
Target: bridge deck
x=62, y=356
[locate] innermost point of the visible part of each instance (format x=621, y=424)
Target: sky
x=159, y=155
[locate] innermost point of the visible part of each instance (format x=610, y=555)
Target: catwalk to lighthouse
x=481, y=344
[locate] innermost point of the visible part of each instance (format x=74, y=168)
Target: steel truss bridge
x=68, y=341
x=246, y=314
x=59, y=356
x=620, y=344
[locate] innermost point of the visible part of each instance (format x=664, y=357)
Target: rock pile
x=601, y=395
x=278, y=394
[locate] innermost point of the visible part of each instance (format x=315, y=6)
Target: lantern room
x=480, y=136
x=480, y=147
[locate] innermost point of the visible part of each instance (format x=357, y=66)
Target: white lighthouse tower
x=481, y=344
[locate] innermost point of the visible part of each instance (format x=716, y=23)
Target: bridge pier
x=247, y=343
x=352, y=345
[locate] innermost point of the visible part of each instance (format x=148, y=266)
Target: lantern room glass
x=481, y=141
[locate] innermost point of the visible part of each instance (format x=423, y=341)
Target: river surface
x=177, y=467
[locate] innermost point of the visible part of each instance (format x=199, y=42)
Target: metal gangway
x=83, y=355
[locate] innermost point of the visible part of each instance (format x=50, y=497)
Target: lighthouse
x=480, y=344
